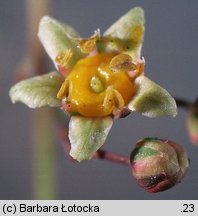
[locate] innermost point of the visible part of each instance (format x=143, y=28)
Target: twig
x=34, y=63
x=111, y=156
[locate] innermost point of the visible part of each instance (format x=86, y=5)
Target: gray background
x=170, y=50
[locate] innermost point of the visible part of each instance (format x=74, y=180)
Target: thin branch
x=35, y=52
x=34, y=63
x=111, y=156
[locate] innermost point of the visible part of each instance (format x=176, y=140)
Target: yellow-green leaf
x=38, y=91
x=87, y=135
x=152, y=100
x=57, y=38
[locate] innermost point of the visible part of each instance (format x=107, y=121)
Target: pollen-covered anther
x=108, y=103
x=63, y=58
x=87, y=45
x=64, y=90
x=119, y=101
x=122, y=62
x=113, y=99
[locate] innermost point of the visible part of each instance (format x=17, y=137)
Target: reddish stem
x=111, y=156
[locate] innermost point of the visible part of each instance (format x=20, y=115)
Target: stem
x=35, y=52
x=113, y=157
x=44, y=174
x=34, y=63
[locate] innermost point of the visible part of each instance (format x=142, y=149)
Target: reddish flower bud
x=192, y=123
x=158, y=164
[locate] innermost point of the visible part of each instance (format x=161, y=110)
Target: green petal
x=57, y=37
x=38, y=91
x=87, y=135
x=152, y=100
x=128, y=32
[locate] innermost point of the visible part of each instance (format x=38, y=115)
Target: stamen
x=88, y=44
x=122, y=62
x=63, y=58
x=108, y=103
x=113, y=99
x=119, y=101
x=64, y=90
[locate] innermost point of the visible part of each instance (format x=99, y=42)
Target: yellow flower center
x=92, y=89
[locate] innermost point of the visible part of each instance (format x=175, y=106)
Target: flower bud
x=158, y=164
x=192, y=123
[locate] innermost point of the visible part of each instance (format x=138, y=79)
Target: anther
x=122, y=62
x=63, y=58
x=88, y=44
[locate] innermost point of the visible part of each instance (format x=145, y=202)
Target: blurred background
x=170, y=49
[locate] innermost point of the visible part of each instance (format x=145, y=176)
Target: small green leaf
x=38, y=91
x=152, y=100
x=87, y=135
x=57, y=37
x=127, y=33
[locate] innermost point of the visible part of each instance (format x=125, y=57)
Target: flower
x=192, y=122
x=158, y=164
x=101, y=78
